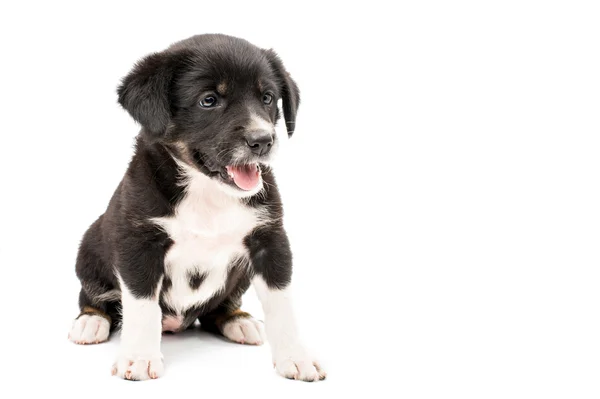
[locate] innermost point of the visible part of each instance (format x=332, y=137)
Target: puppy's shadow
x=194, y=342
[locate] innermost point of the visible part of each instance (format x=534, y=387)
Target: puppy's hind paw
x=89, y=329
x=245, y=330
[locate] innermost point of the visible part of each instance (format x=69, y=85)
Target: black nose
x=260, y=144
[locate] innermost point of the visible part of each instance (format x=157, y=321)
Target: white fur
x=258, y=123
x=139, y=355
x=291, y=359
x=89, y=329
x=245, y=331
x=208, y=228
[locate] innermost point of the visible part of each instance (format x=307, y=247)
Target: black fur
x=196, y=279
x=290, y=92
x=162, y=93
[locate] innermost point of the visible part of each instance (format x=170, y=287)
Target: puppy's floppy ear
x=290, y=94
x=144, y=92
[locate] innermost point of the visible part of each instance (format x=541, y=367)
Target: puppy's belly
x=196, y=271
x=191, y=287
x=208, y=228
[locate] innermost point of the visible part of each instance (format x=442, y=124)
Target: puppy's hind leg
x=95, y=321
x=98, y=299
x=234, y=324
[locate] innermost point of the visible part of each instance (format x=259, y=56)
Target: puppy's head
x=212, y=100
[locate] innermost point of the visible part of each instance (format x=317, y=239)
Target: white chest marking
x=207, y=229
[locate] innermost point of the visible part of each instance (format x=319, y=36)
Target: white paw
x=297, y=364
x=245, y=330
x=89, y=329
x=139, y=368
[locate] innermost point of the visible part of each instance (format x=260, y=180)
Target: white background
x=441, y=191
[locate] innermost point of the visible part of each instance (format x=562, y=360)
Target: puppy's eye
x=267, y=98
x=208, y=102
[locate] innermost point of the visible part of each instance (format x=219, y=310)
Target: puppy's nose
x=259, y=143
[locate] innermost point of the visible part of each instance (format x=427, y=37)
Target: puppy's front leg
x=272, y=262
x=139, y=356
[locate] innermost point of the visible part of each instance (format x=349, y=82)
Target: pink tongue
x=246, y=176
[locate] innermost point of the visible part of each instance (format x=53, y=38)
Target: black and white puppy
x=197, y=217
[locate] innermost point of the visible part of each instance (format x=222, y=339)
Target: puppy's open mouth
x=245, y=177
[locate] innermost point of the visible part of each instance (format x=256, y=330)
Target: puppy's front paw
x=139, y=368
x=89, y=329
x=297, y=364
x=245, y=330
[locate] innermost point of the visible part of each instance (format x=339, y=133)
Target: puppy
x=197, y=217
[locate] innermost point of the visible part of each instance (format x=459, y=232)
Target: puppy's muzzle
x=259, y=142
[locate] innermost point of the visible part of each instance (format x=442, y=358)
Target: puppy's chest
x=208, y=237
